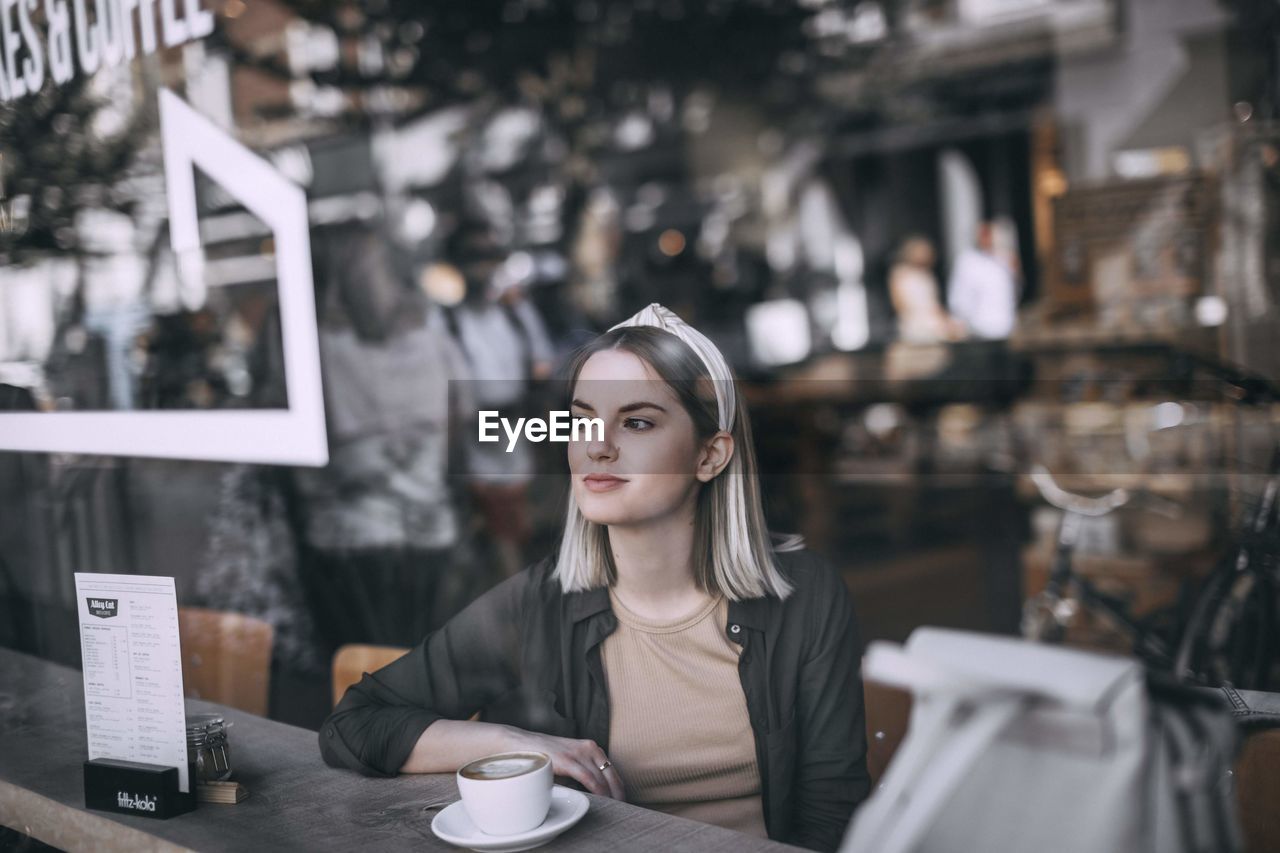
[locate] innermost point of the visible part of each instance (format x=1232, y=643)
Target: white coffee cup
x=507, y=793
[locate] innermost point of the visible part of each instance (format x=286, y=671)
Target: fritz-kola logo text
x=103, y=608
x=140, y=803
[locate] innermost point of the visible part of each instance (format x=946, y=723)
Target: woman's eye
x=637, y=424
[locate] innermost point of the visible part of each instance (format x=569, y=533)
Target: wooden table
x=296, y=802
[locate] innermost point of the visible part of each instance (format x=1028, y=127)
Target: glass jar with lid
x=207, y=747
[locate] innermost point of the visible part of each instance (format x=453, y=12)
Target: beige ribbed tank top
x=679, y=733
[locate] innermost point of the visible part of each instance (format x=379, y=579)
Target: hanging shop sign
x=87, y=35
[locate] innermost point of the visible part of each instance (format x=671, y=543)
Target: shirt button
x=735, y=629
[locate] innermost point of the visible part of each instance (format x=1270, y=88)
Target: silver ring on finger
x=603, y=767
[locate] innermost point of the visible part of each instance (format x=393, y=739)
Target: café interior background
x=765, y=168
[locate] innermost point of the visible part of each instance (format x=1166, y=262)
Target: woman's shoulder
x=540, y=575
x=538, y=584
x=543, y=597
x=537, y=578
x=532, y=586
x=810, y=574
x=819, y=602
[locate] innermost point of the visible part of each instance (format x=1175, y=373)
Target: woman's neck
x=655, y=567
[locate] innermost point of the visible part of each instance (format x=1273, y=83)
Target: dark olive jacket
x=528, y=655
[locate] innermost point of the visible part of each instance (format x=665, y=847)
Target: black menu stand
x=131, y=787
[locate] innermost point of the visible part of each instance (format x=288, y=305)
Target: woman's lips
x=602, y=482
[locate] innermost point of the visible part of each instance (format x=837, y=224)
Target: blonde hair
x=917, y=251
x=732, y=551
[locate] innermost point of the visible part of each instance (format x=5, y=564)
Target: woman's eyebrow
x=629, y=407
x=643, y=404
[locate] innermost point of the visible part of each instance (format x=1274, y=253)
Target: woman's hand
x=577, y=759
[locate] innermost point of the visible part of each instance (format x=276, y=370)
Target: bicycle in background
x=1045, y=616
x=1231, y=637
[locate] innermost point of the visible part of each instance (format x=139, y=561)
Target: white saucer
x=454, y=825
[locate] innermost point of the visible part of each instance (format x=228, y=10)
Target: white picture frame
x=291, y=436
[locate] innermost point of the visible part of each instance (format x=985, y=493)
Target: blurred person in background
x=595, y=253
x=506, y=347
x=670, y=651
x=913, y=289
x=982, y=292
x=378, y=525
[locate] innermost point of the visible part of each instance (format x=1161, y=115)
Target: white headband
x=721, y=378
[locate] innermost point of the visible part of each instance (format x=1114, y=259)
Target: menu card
x=133, y=701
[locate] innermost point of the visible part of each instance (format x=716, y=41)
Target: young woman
x=913, y=290
x=668, y=653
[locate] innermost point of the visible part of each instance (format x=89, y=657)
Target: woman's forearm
x=446, y=745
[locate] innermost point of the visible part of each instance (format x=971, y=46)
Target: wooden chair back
x=226, y=658
x=888, y=710
x=351, y=662
x=1258, y=789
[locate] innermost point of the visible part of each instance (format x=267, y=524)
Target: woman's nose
x=601, y=450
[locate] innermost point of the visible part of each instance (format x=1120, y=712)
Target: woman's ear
x=715, y=455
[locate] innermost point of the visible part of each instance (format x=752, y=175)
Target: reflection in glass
x=123, y=329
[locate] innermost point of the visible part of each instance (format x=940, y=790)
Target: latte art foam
x=503, y=767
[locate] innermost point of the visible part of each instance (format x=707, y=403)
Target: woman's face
x=650, y=463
